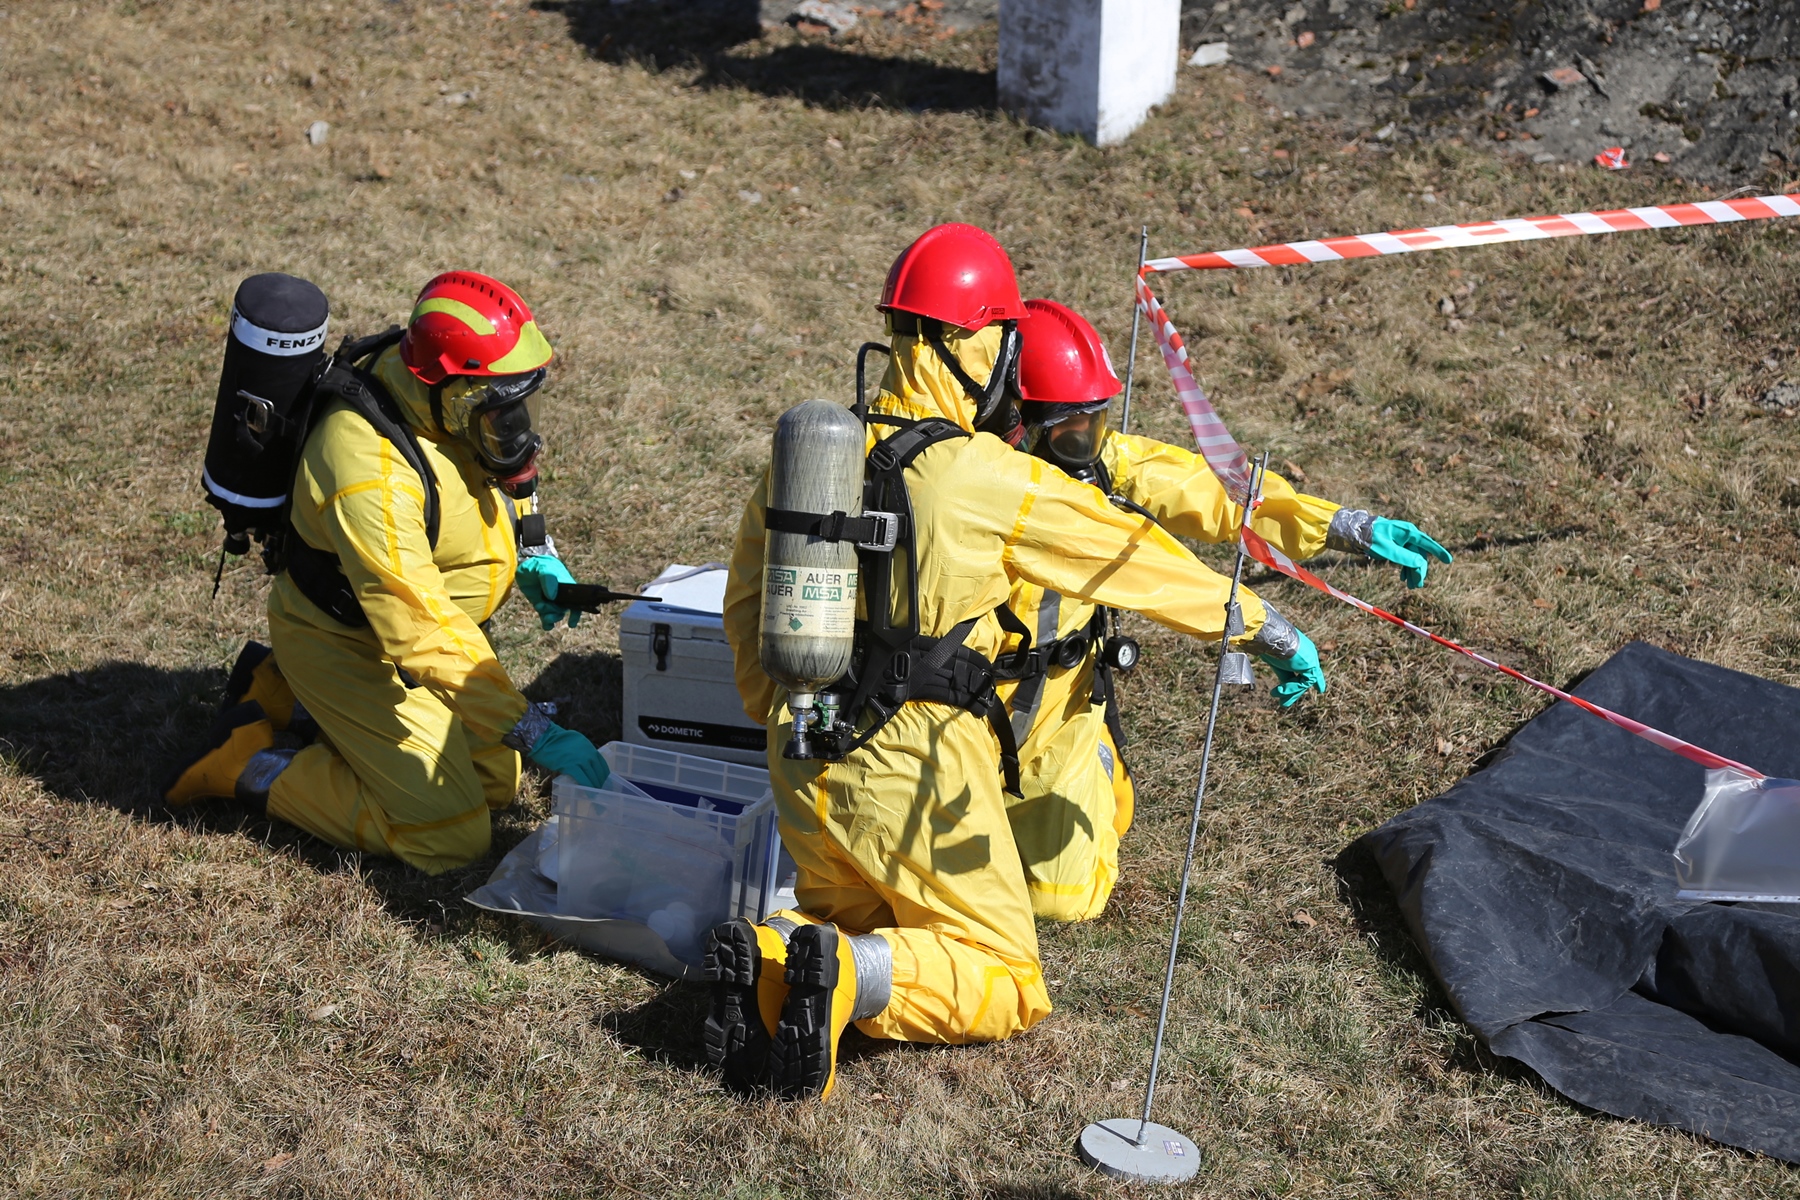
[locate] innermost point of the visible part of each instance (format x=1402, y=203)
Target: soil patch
x=1711, y=84
x=1706, y=89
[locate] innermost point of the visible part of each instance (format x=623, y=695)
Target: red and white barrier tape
x=1485, y=233
x=1270, y=557
x=1232, y=466
x=1221, y=451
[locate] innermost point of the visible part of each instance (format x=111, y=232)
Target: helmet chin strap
x=987, y=398
x=437, y=407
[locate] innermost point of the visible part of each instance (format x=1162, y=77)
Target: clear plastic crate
x=674, y=841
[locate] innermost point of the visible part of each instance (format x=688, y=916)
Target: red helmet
x=956, y=274
x=1063, y=360
x=1065, y=382
x=469, y=324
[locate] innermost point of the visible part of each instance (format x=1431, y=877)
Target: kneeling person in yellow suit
x=408, y=509
x=1077, y=795
x=913, y=918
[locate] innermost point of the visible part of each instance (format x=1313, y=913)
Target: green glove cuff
x=1406, y=546
x=1298, y=673
x=565, y=752
x=537, y=578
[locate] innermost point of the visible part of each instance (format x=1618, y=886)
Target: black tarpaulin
x=1542, y=889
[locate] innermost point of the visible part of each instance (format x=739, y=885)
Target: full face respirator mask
x=1068, y=435
x=497, y=417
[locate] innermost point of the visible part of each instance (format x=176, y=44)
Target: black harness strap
x=986, y=397
x=1028, y=667
x=983, y=396
x=1106, y=620
x=949, y=672
x=1031, y=666
x=933, y=660
x=996, y=712
x=896, y=664
x=831, y=527
x=318, y=573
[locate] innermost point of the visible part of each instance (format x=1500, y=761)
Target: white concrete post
x=1089, y=67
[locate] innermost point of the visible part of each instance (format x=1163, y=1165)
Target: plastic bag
x=518, y=889
x=1743, y=842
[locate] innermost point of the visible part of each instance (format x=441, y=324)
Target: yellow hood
x=414, y=398
x=918, y=384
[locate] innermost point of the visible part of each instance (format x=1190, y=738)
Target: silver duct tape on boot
x=1352, y=531
x=783, y=926
x=259, y=774
x=874, y=974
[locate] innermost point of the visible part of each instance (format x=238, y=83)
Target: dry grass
x=212, y=1005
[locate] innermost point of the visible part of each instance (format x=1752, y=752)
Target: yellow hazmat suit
x=412, y=706
x=1077, y=796
x=908, y=837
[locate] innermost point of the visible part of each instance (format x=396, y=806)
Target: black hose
x=861, y=407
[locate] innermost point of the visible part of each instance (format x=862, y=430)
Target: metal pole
x=1233, y=618
x=1137, y=315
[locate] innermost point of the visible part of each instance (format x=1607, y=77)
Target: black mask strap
x=1004, y=422
x=987, y=399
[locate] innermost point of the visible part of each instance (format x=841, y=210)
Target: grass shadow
x=719, y=39
x=109, y=734
x=1364, y=891
x=588, y=691
x=666, y=1027
x=112, y=734
x=1029, y=1191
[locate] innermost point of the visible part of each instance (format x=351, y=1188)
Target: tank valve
x=805, y=717
x=829, y=703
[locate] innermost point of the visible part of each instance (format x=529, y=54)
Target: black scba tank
x=273, y=352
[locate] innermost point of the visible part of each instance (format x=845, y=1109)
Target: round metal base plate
x=1164, y=1156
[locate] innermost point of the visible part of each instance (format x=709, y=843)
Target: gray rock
x=1782, y=400
x=839, y=18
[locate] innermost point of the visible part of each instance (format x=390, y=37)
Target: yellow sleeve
x=743, y=608
x=1069, y=538
x=372, y=516
x=1189, y=500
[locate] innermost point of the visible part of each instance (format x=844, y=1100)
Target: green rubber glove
x=1405, y=545
x=1297, y=674
x=565, y=752
x=538, y=578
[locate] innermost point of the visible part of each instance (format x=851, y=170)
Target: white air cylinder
x=1094, y=68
